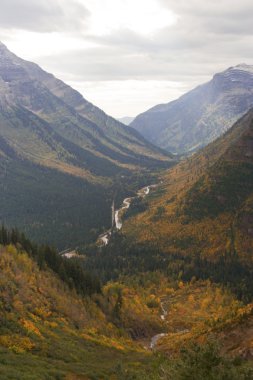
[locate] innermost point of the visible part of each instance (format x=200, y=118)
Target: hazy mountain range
x=201, y=115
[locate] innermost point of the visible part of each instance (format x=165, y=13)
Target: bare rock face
x=201, y=115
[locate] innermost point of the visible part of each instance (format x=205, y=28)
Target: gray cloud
x=208, y=37
x=173, y=55
x=42, y=16
x=213, y=16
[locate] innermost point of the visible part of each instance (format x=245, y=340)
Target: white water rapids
x=125, y=206
x=105, y=237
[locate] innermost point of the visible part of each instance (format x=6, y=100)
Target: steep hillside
x=201, y=115
x=203, y=209
x=61, y=157
x=49, y=332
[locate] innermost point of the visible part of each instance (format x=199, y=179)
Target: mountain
x=203, y=212
x=61, y=157
x=200, y=116
x=62, y=116
x=126, y=120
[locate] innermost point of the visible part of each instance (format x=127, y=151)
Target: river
x=105, y=237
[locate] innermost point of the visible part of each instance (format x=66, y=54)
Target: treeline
x=121, y=257
x=228, y=270
x=69, y=271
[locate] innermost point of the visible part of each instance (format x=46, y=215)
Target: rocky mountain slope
x=53, y=120
x=201, y=115
x=60, y=156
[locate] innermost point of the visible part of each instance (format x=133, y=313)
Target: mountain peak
x=241, y=74
x=6, y=55
x=244, y=67
x=3, y=47
x=241, y=68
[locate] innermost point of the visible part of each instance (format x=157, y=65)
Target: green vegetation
x=137, y=205
x=48, y=331
x=55, y=208
x=200, y=216
x=197, y=362
x=122, y=258
x=69, y=271
x=83, y=361
x=224, y=189
x=37, y=199
x=200, y=362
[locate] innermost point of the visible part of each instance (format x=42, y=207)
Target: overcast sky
x=128, y=55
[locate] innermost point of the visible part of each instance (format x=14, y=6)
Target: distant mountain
x=201, y=115
x=126, y=120
x=60, y=155
x=204, y=206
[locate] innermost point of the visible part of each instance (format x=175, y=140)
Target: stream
x=157, y=337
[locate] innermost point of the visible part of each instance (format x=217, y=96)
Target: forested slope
x=202, y=211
